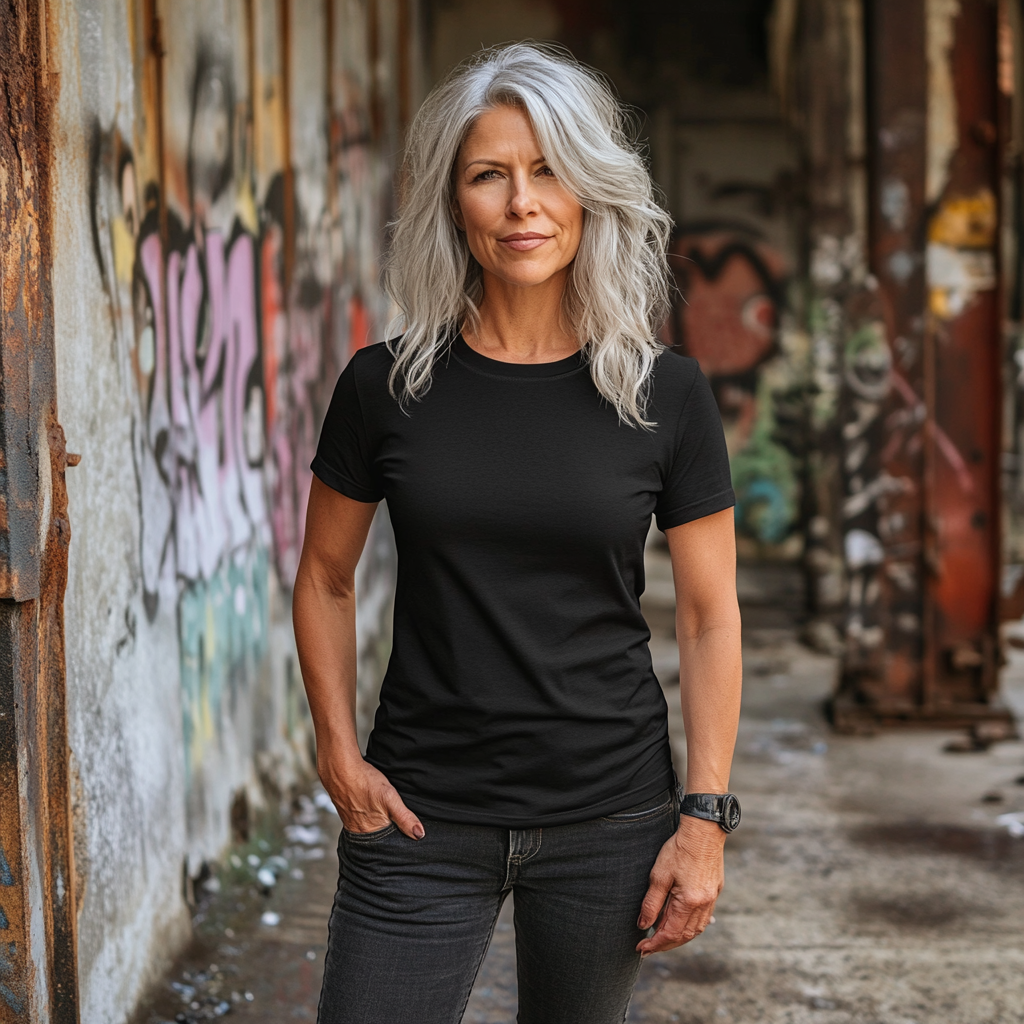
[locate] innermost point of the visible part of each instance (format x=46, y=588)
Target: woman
x=523, y=430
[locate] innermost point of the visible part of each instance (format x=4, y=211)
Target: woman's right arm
x=324, y=614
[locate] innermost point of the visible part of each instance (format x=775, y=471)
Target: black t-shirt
x=520, y=691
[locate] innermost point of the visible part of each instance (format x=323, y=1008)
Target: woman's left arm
x=689, y=872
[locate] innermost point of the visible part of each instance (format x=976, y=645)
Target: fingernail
x=417, y=831
x=640, y=921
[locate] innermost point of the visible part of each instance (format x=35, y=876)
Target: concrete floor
x=869, y=883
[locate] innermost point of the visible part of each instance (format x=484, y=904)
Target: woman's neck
x=522, y=324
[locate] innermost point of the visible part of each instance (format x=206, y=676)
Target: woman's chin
x=523, y=275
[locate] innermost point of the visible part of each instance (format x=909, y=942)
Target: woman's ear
x=460, y=222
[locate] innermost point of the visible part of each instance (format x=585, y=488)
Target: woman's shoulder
x=671, y=362
x=674, y=374
x=368, y=370
x=372, y=361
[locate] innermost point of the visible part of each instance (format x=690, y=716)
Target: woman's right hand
x=365, y=800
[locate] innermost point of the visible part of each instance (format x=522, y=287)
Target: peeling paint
x=961, y=259
x=943, y=136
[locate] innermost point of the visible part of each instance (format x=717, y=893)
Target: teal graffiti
x=223, y=630
x=6, y=878
x=11, y=999
x=764, y=478
x=763, y=511
x=8, y=954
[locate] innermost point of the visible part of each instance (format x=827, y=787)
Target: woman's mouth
x=523, y=241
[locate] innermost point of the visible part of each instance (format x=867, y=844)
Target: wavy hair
x=617, y=292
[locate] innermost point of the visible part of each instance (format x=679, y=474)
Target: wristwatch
x=722, y=808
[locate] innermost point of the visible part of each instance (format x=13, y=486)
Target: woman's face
x=521, y=223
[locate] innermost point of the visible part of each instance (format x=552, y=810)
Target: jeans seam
x=632, y=988
x=534, y=848
x=327, y=952
x=483, y=955
x=511, y=868
x=516, y=860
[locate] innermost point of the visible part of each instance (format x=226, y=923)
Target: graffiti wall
x=224, y=194
x=729, y=311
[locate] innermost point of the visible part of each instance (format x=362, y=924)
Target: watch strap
x=712, y=807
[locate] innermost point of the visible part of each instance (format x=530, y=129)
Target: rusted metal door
x=38, y=965
x=922, y=392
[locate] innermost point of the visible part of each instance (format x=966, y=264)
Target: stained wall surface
x=222, y=178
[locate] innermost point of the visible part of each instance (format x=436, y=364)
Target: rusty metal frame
x=962, y=667
x=946, y=374
x=38, y=951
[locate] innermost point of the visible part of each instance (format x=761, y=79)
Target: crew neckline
x=469, y=356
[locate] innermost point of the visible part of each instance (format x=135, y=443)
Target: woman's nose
x=522, y=201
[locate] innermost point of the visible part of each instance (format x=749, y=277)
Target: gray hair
x=617, y=293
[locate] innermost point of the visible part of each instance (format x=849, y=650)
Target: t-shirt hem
x=473, y=816
x=697, y=510
x=339, y=483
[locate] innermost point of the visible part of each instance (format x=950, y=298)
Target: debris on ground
x=258, y=891
x=1013, y=823
x=981, y=736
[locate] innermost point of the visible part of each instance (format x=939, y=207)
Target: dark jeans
x=412, y=920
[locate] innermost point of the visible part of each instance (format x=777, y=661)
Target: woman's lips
x=524, y=242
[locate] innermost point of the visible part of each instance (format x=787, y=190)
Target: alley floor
x=871, y=881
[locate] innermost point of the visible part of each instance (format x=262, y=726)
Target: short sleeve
x=344, y=457
x=698, y=482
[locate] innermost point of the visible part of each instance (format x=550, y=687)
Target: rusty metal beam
x=964, y=334
x=922, y=505
x=38, y=957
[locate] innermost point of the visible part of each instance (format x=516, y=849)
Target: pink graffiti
x=203, y=427
x=294, y=372
x=943, y=442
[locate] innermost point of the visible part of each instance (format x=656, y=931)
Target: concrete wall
x=218, y=217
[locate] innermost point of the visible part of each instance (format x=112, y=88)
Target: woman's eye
x=486, y=176
x=547, y=170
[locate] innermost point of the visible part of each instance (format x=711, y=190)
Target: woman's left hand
x=685, y=882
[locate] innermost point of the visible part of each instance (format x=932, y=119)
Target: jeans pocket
x=656, y=807
x=370, y=837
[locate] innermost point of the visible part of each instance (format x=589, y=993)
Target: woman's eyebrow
x=500, y=163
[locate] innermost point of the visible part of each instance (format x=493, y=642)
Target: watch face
x=730, y=812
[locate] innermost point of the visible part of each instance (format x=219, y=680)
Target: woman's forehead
x=501, y=129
